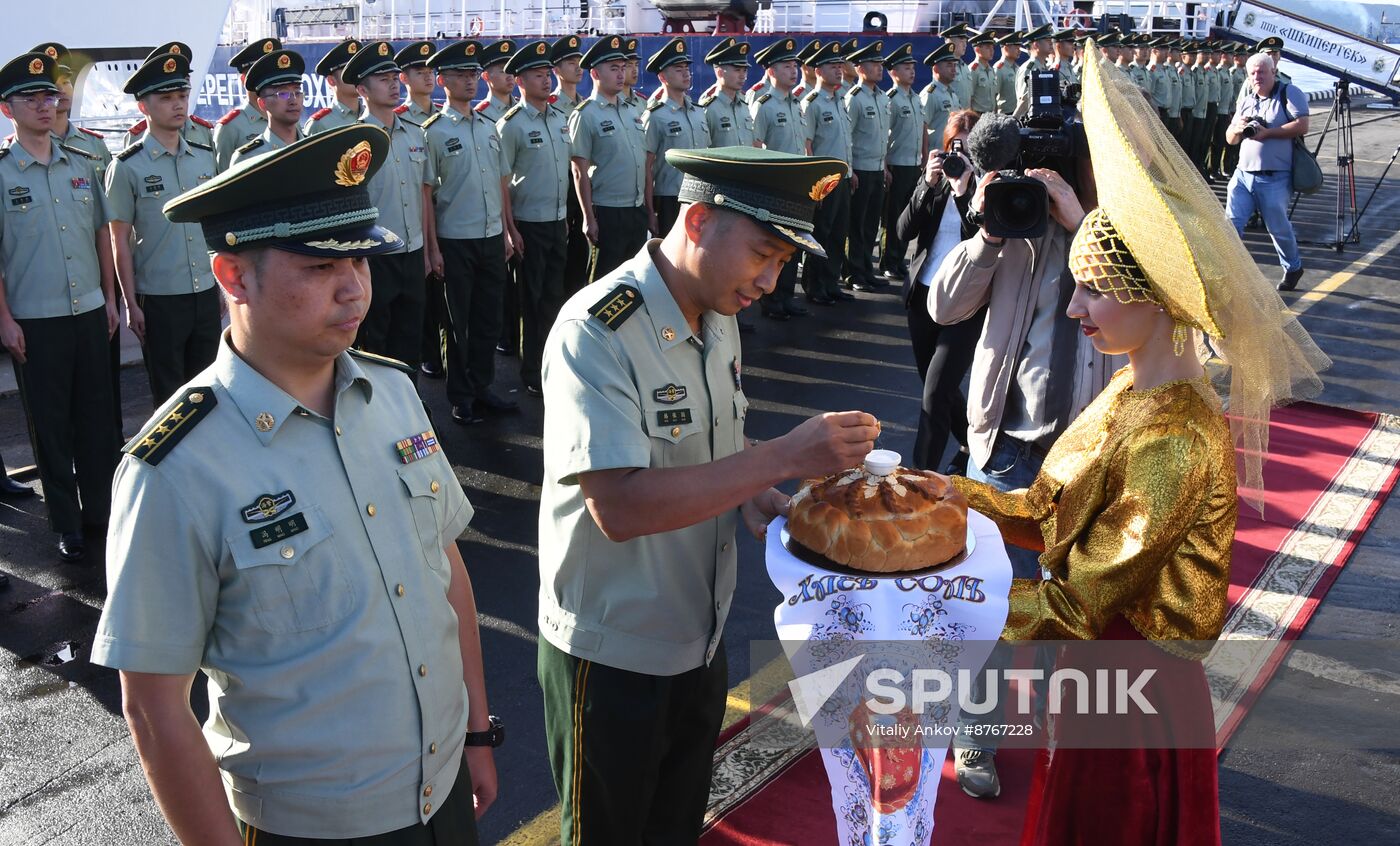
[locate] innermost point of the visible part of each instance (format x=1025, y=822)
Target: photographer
x=1267, y=118
x=942, y=355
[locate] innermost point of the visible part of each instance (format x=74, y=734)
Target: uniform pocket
x=297, y=580
x=423, y=483
x=741, y=412
x=676, y=436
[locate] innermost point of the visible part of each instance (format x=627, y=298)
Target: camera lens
x=1019, y=210
x=953, y=166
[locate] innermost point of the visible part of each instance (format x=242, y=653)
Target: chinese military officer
x=500, y=86
x=982, y=75
x=870, y=136
x=731, y=125
x=905, y=155
x=274, y=83
x=345, y=106
x=670, y=123
x=244, y=123
x=418, y=80
x=831, y=138
x=778, y=125
x=938, y=98
x=197, y=129
x=566, y=54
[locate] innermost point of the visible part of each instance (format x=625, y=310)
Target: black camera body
x=1252, y=125
x=953, y=163
x=1016, y=205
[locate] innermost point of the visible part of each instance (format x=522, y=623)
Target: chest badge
x=668, y=333
x=412, y=448
x=738, y=381
x=268, y=506
x=264, y=422
x=671, y=394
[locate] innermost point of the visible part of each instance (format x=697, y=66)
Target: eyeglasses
x=285, y=94
x=35, y=101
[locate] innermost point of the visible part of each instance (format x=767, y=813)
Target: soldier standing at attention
x=566, y=54
x=609, y=159
x=1142, y=57
x=631, y=73
x=957, y=36
x=244, y=123
x=981, y=75
x=274, y=83
x=536, y=156
x=809, y=81
x=472, y=210
x=831, y=139
x=1193, y=102
x=500, y=85
x=938, y=98
x=778, y=125
x=1161, y=85
x=1042, y=49
x=172, y=302
x=418, y=78
x=671, y=123
x=345, y=108
x=402, y=191
x=869, y=110
x=730, y=123
x=1064, y=57
x=1006, y=66
x=58, y=306
x=849, y=78
x=196, y=129
x=905, y=155
x=644, y=404
x=288, y=525
x=1173, y=73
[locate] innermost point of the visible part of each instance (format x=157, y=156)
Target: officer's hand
x=889, y=177
x=828, y=443
x=483, y=769
x=855, y=181
x=933, y=169
x=654, y=224
x=515, y=245
x=114, y=320
x=136, y=322
x=1064, y=203
x=760, y=511
x=590, y=229
x=979, y=200
x=434, y=258
x=13, y=338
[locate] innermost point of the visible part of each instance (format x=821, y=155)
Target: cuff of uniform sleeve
x=981, y=253
x=458, y=522
x=164, y=659
x=593, y=457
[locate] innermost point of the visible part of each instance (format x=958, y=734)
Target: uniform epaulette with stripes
x=705, y=100
x=810, y=97
x=655, y=104
x=74, y=150
x=582, y=103
x=199, y=146
x=320, y=113
x=233, y=113
x=252, y=145
x=765, y=98
x=893, y=91
x=382, y=360
x=620, y=303
x=432, y=119
x=512, y=111
x=154, y=444
x=131, y=151
x=201, y=121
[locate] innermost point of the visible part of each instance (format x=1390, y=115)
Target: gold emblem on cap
x=264, y=421
x=668, y=333
x=573, y=41
x=539, y=48
x=680, y=46
x=169, y=66
x=175, y=48
x=36, y=67
x=471, y=49
x=383, y=48
x=51, y=51
x=616, y=43
x=425, y=50
x=743, y=49
x=505, y=46
x=230, y=239
x=353, y=165
x=824, y=186
x=284, y=61
x=352, y=48
x=268, y=47
x=789, y=45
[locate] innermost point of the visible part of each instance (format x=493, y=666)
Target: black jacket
x=919, y=222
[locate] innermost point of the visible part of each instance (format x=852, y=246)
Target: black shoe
x=794, y=308
x=1290, y=280
x=842, y=296
x=820, y=299
x=534, y=390
x=493, y=403
x=746, y=327
x=71, y=546
x=895, y=273
x=502, y=349
x=465, y=416
x=9, y=487
x=862, y=285
x=430, y=372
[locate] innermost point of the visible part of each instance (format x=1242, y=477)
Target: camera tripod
x=1339, y=121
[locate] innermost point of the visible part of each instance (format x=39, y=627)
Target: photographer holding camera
x=1033, y=369
x=1267, y=119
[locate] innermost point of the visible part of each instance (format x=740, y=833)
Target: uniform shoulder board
x=765, y=98
x=706, y=99
x=893, y=91
x=233, y=113
x=5, y=149
x=154, y=444
x=137, y=128
x=512, y=112
x=655, y=104
x=382, y=360
x=810, y=97
x=432, y=119
x=482, y=106
x=620, y=303
x=410, y=122
x=201, y=121
x=252, y=145
x=131, y=151
x=199, y=146
x=90, y=132
x=320, y=113
x=75, y=151
x=401, y=108
x=581, y=104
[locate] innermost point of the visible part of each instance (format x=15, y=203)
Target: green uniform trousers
x=182, y=338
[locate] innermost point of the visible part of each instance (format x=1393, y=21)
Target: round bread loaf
x=908, y=520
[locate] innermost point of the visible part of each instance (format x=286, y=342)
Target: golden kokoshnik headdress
x=1159, y=235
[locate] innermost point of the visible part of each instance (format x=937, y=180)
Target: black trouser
x=1230, y=153
x=510, y=310
x=436, y=332
x=474, y=271
x=1205, y=131
x=394, y=324
x=667, y=210
x=580, y=252
x=65, y=384
x=540, y=275
x=454, y=824
x=822, y=277
x=902, y=182
x=114, y=362
x=1187, y=130
x=785, y=287
x=182, y=338
x=631, y=753
x=943, y=355
x=866, y=199
x=621, y=233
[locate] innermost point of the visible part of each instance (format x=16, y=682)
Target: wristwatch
x=493, y=737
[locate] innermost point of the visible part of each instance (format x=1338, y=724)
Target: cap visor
x=354, y=242
x=796, y=237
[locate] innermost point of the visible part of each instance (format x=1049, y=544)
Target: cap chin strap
x=291, y=230
x=727, y=202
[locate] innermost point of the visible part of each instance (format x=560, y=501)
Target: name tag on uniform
x=412, y=448
x=279, y=531
x=454, y=145
x=607, y=127
x=673, y=128
x=724, y=123
x=905, y=111
x=828, y=117
x=673, y=417
x=870, y=111
x=781, y=119
x=534, y=137
x=156, y=188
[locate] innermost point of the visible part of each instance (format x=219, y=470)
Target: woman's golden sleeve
x=1159, y=479
x=1019, y=523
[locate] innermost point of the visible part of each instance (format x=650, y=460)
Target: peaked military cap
x=457, y=55
x=1271, y=44
x=179, y=48
x=243, y=59
x=872, y=52
x=1014, y=37
x=1066, y=34
x=534, y=54
x=27, y=72
x=338, y=56
x=827, y=53
x=497, y=52
x=276, y=68
x=734, y=54
x=808, y=51
x=901, y=54
x=62, y=58
x=309, y=197
x=566, y=48
x=987, y=37
x=944, y=53
x=609, y=48
x=957, y=30
x=673, y=53
x=1040, y=33
x=718, y=48
x=161, y=72
x=630, y=44
x=781, y=50
x=416, y=53
x=1108, y=39
x=779, y=190
x=372, y=58
x=849, y=46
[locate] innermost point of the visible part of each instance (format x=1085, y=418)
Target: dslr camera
x=953, y=163
x=1252, y=125
x=1016, y=205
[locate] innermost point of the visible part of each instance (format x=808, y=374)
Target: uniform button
x=399, y=590
x=288, y=552
x=369, y=509
x=434, y=487
x=64, y=228
x=337, y=430
x=432, y=748
x=427, y=791
x=675, y=431
x=427, y=808
x=422, y=669
x=72, y=284
x=724, y=547
x=75, y=302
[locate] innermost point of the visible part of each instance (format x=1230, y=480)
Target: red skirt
x=1148, y=795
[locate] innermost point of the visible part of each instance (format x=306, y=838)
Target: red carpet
x=1328, y=474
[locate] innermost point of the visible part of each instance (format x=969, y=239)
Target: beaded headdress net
x=1159, y=235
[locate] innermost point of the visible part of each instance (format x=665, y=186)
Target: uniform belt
x=1262, y=172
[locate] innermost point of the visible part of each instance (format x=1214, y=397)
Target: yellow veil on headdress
x=1158, y=206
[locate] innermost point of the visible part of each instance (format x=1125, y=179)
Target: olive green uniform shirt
x=396, y=189
x=169, y=258
x=413, y=112
x=1006, y=85
x=493, y=108
x=731, y=124
x=1159, y=86
x=535, y=152
x=869, y=109
x=48, y=237
x=982, y=97
x=298, y=561
x=668, y=125
x=962, y=84
x=91, y=143
x=234, y=130
x=831, y=125
x=939, y=101
x=609, y=136
x=778, y=123
x=335, y=116
x=906, y=127
x=1173, y=76
x=635, y=388
x=467, y=160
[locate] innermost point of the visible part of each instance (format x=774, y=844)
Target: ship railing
x=1164, y=17
x=555, y=18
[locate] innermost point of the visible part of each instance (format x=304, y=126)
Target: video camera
x=1016, y=205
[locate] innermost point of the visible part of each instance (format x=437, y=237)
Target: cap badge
x=283, y=62
x=169, y=66
x=353, y=165
x=788, y=46
x=352, y=48
x=616, y=42
x=573, y=42
x=505, y=46
x=383, y=48
x=51, y=51
x=743, y=49
x=471, y=49
x=824, y=186
x=680, y=46
x=268, y=47
x=36, y=67
x=425, y=50
x=539, y=48
x=175, y=48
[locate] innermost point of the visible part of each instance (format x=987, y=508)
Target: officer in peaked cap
x=1064, y=56
x=634, y=61
x=566, y=55
x=274, y=83
x=345, y=108
x=809, y=71
x=197, y=129
x=171, y=298
x=643, y=398
x=500, y=85
x=830, y=129
x=906, y=153
x=414, y=73
x=246, y=122
x=731, y=125
x=1273, y=46
x=66, y=65
x=779, y=125
x=325, y=456
x=982, y=73
x=938, y=98
x=958, y=35
x=1042, y=50
x=60, y=310
x=671, y=122
x=765, y=85
x=1006, y=66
